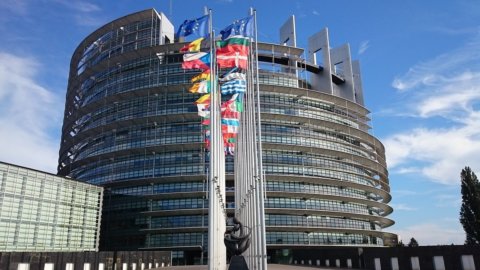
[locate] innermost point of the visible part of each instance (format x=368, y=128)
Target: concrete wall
x=394, y=258
x=450, y=255
x=121, y=260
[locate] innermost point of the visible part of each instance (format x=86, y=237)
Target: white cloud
x=435, y=71
x=455, y=31
x=84, y=13
x=80, y=6
x=432, y=233
x=447, y=90
x=314, y=12
x=440, y=154
x=406, y=170
x=88, y=20
x=84, y=6
x=364, y=45
x=28, y=114
x=402, y=207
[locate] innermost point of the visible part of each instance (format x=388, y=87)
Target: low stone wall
x=105, y=260
x=371, y=258
x=424, y=258
x=391, y=258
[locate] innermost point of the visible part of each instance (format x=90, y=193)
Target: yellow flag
x=193, y=46
x=202, y=76
x=203, y=99
x=200, y=87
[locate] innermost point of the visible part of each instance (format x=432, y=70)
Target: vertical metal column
x=216, y=218
x=259, y=191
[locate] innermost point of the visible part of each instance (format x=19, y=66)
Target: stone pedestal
x=238, y=263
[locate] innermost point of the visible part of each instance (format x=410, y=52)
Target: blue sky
x=420, y=68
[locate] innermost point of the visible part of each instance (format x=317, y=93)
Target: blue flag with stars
x=198, y=26
x=243, y=27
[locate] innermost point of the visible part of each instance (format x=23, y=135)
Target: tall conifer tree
x=470, y=210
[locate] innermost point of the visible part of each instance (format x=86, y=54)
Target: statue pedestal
x=238, y=263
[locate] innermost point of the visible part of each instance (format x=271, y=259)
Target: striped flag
x=230, y=114
x=235, y=103
x=233, y=44
x=203, y=99
x=230, y=122
x=229, y=129
x=233, y=87
x=199, y=60
x=229, y=137
x=233, y=76
x=200, y=87
x=232, y=59
x=202, y=76
x=233, y=52
x=193, y=46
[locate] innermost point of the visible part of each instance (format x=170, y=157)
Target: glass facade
x=131, y=126
x=44, y=212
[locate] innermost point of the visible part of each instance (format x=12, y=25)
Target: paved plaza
x=270, y=267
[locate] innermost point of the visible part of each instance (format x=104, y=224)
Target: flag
x=238, y=101
x=193, y=46
x=232, y=59
x=207, y=144
x=203, y=110
x=198, y=26
x=233, y=52
x=233, y=76
x=243, y=27
x=234, y=43
x=206, y=122
x=230, y=122
x=231, y=114
x=229, y=137
x=200, y=87
x=235, y=103
x=203, y=99
x=233, y=87
x=229, y=129
x=229, y=149
x=202, y=76
x=229, y=110
x=199, y=60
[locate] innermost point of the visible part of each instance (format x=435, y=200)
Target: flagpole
x=212, y=182
x=255, y=248
x=260, y=186
x=211, y=186
x=217, y=214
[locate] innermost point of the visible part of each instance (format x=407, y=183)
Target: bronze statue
x=237, y=244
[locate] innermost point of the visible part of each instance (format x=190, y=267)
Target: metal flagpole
x=260, y=184
x=211, y=183
x=216, y=226
x=256, y=245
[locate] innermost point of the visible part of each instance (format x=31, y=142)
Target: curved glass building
x=130, y=125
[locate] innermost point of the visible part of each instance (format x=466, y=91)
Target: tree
x=470, y=209
x=413, y=243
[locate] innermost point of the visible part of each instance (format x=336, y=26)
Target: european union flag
x=198, y=26
x=243, y=27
